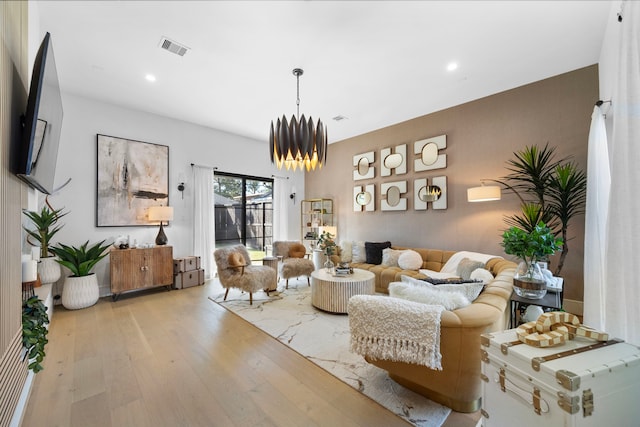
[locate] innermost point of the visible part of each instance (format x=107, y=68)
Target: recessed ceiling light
x=150, y=77
x=452, y=66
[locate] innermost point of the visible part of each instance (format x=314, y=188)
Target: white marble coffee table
x=331, y=293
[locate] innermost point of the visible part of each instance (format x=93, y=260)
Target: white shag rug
x=324, y=339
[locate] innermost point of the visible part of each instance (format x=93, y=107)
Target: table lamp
x=161, y=213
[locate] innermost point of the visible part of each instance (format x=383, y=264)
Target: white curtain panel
x=204, y=233
x=281, y=210
x=598, y=188
x=622, y=316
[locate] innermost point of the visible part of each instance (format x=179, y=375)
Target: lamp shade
x=484, y=193
x=160, y=213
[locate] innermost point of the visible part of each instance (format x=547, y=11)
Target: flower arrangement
x=326, y=243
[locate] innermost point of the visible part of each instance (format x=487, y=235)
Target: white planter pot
x=49, y=270
x=80, y=292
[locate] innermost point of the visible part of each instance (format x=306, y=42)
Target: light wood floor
x=175, y=358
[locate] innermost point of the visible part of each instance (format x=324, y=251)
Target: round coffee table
x=331, y=293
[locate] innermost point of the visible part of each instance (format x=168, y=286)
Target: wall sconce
x=430, y=193
x=484, y=193
x=292, y=196
x=181, y=188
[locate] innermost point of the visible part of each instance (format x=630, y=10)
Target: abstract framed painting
x=132, y=176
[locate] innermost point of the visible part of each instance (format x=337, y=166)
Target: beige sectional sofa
x=458, y=384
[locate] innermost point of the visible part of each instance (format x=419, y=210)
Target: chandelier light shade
x=298, y=143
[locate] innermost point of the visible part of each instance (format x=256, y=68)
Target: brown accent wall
x=13, y=75
x=481, y=136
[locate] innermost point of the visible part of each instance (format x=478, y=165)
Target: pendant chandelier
x=298, y=142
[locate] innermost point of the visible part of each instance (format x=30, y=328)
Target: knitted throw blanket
x=389, y=328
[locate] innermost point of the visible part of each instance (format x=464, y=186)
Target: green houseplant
x=530, y=246
x=552, y=191
x=81, y=288
x=327, y=243
x=46, y=226
x=34, y=331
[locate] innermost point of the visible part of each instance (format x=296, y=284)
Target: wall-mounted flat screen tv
x=42, y=123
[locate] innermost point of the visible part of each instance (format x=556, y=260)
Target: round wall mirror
x=393, y=196
x=392, y=161
x=429, y=153
x=363, y=198
x=363, y=166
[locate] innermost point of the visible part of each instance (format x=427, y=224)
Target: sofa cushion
x=428, y=295
x=466, y=266
x=297, y=250
x=357, y=252
x=373, y=251
x=482, y=274
x=470, y=290
x=390, y=257
x=410, y=260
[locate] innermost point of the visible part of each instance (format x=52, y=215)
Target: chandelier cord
x=298, y=94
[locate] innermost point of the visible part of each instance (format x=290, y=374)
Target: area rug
x=323, y=338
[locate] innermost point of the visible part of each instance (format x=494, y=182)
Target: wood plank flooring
x=160, y=358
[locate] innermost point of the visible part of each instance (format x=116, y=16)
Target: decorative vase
x=528, y=281
x=80, y=292
x=329, y=265
x=49, y=270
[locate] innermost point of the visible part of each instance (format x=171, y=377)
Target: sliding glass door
x=244, y=210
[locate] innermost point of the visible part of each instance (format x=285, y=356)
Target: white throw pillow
x=469, y=290
x=390, y=257
x=428, y=295
x=482, y=274
x=345, y=251
x=358, y=253
x=410, y=260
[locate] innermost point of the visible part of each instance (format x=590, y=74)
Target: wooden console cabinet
x=133, y=269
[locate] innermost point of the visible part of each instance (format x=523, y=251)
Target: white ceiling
x=375, y=62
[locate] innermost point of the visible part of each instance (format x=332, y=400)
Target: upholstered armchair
x=235, y=271
x=294, y=263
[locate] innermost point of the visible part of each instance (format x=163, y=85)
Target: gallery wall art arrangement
x=427, y=156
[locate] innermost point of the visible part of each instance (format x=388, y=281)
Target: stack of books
x=343, y=271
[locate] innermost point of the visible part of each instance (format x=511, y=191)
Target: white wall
x=188, y=143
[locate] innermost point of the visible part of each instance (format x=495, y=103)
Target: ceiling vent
x=173, y=47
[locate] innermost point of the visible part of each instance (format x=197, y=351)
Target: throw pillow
x=345, y=251
x=236, y=259
x=357, y=252
x=482, y=274
x=373, y=251
x=297, y=250
x=410, y=260
x=428, y=295
x=470, y=290
x=466, y=267
x=390, y=257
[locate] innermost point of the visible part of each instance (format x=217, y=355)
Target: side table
x=271, y=261
x=551, y=301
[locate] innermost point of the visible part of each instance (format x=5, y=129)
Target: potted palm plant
x=81, y=288
x=530, y=246
x=46, y=227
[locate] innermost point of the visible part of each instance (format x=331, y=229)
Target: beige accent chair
x=294, y=263
x=235, y=271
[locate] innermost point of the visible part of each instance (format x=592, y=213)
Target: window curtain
x=204, y=233
x=621, y=314
x=281, y=210
x=598, y=188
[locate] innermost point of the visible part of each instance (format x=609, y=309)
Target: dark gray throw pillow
x=374, y=250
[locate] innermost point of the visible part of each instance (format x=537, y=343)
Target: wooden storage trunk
x=187, y=279
x=581, y=383
x=186, y=264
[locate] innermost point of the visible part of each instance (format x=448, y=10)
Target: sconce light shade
x=484, y=193
x=161, y=213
